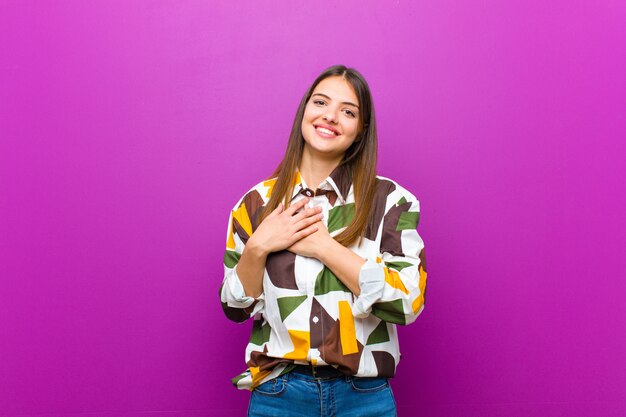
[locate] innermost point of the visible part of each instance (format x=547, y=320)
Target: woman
x=326, y=258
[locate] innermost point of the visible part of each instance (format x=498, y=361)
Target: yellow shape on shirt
x=230, y=243
x=241, y=215
x=419, y=301
x=393, y=278
x=301, y=341
x=270, y=186
x=347, y=331
x=257, y=375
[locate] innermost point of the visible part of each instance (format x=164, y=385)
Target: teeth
x=324, y=130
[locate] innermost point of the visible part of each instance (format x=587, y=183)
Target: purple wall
x=129, y=129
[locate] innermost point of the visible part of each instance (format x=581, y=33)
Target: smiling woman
x=330, y=123
x=325, y=257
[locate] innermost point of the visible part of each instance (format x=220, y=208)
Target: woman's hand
x=282, y=228
x=312, y=245
x=343, y=262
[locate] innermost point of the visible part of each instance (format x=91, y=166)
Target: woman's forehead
x=337, y=89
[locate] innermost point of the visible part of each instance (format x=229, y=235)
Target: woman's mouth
x=325, y=132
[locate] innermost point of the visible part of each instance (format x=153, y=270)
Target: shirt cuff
x=235, y=287
x=372, y=285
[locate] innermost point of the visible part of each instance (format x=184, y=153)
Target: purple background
x=129, y=129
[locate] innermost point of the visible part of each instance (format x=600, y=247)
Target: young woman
x=326, y=258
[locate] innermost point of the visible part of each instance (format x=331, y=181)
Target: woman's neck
x=315, y=170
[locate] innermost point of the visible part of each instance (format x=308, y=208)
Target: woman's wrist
x=257, y=249
x=327, y=250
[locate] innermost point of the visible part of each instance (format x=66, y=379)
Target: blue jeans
x=295, y=394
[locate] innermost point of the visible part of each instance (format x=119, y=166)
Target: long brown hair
x=360, y=157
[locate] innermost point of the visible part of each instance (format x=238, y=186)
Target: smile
x=325, y=132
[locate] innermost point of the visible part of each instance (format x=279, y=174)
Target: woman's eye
x=350, y=113
x=320, y=102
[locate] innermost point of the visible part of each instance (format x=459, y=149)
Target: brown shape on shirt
x=331, y=352
x=254, y=206
x=324, y=323
x=385, y=363
x=253, y=202
x=281, y=269
x=342, y=177
x=264, y=362
x=235, y=314
x=422, y=257
x=391, y=239
x=383, y=189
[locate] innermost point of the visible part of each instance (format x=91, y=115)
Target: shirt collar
x=339, y=180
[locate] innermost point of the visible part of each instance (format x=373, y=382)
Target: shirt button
x=315, y=319
x=308, y=192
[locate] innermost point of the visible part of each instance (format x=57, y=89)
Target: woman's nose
x=330, y=116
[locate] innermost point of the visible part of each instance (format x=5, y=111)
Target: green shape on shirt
x=408, y=220
x=260, y=332
x=327, y=281
x=390, y=311
x=379, y=335
x=340, y=216
x=288, y=368
x=286, y=305
x=401, y=201
x=238, y=378
x=231, y=258
x=398, y=266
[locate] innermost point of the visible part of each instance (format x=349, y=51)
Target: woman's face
x=331, y=118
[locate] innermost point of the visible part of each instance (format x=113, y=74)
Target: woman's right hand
x=282, y=228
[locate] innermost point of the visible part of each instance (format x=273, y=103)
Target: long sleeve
x=236, y=304
x=393, y=285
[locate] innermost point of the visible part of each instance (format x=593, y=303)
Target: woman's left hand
x=311, y=245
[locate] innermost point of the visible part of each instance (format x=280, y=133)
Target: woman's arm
x=251, y=267
x=393, y=284
x=244, y=260
x=344, y=263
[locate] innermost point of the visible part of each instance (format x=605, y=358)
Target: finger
x=297, y=206
x=276, y=211
x=298, y=216
x=309, y=220
x=306, y=212
x=305, y=232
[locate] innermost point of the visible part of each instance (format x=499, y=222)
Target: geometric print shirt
x=305, y=314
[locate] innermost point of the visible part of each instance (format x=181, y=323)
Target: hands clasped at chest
x=298, y=229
